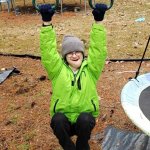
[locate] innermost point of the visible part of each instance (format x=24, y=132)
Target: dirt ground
x=24, y=97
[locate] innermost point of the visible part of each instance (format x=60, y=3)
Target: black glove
x=46, y=12
x=99, y=12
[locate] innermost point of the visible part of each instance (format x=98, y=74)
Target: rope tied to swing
x=137, y=72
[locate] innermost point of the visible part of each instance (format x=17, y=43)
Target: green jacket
x=74, y=94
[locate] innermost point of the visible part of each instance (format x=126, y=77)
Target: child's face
x=74, y=60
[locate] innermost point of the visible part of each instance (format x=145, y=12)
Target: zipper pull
x=72, y=83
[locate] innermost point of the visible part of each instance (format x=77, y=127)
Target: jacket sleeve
x=49, y=55
x=97, y=50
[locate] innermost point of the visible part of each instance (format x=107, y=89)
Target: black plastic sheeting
x=116, y=139
x=6, y=73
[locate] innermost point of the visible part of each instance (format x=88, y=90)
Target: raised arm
x=97, y=51
x=49, y=55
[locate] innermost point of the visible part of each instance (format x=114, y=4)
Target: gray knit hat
x=70, y=44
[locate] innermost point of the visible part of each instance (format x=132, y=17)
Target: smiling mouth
x=75, y=59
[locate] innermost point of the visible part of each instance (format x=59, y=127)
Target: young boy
x=74, y=102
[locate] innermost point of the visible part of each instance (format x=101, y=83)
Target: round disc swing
x=135, y=99
x=57, y=4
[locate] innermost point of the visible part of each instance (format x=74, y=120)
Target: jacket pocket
x=55, y=105
x=93, y=104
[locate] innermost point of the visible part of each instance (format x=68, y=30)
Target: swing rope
x=57, y=3
x=108, y=7
x=37, y=6
x=137, y=72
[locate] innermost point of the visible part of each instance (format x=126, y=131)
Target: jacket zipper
x=55, y=105
x=74, y=81
x=79, y=83
x=93, y=105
